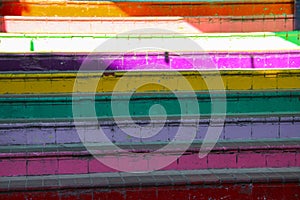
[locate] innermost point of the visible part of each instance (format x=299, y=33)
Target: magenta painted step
x=65, y=132
x=149, y=61
x=260, y=155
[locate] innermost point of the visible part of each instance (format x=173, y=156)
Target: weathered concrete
x=145, y=8
x=73, y=160
x=66, y=133
x=254, y=183
x=149, y=61
x=86, y=43
x=149, y=81
x=110, y=25
x=182, y=105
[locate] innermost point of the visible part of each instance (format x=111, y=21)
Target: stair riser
x=59, y=133
x=163, y=40
x=83, y=163
x=132, y=62
x=118, y=25
x=140, y=8
x=232, y=191
x=123, y=107
x=159, y=81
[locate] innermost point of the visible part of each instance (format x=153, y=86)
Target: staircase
x=90, y=110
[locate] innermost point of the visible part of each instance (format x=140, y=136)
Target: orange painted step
x=109, y=8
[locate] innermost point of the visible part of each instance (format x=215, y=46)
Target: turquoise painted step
x=60, y=107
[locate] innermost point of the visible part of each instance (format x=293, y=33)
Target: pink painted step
x=229, y=155
x=107, y=25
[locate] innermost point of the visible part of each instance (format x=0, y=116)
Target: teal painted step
x=60, y=107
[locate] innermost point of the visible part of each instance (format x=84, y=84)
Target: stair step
x=142, y=82
x=234, y=128
x=146, y=8
x=113, y=25
x=129, y=41
x=179, y=106
x=89, y=159
x=273, y=183
x=155, y=61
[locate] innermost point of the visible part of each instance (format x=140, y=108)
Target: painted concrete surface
x=145, y=8
x=66, y=133
x=109, y=25
x=234, y=191
x=47, y=108
x=192, y=184
x=85, y=25
x=14, y=43
x=149, y=61
x=137, y=81
x=82, y=162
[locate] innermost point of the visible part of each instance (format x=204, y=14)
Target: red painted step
x=257, y=183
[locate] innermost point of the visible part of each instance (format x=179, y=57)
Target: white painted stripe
x=88, y=44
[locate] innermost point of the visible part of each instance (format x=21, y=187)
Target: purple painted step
x=65, y=132
x=149, y=61
x=224, y=155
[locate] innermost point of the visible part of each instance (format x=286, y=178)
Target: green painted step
x=291, y=36
x=47, y=108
